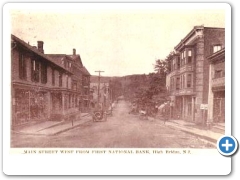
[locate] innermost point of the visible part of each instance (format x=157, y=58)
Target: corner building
x=188, y=80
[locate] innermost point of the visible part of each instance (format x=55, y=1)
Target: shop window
x=189, y=105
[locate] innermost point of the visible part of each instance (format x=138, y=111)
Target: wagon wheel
x=98, y=115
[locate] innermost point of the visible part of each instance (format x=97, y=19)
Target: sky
x=119, y=41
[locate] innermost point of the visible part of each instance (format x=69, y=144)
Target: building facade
x=216, y=96
x=80, y=79
x=42, y=88
x=104, y=94
x=188, y=80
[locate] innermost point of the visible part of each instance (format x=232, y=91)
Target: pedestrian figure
x=166, y=112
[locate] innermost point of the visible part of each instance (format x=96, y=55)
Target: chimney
x=40, y=46
x=74, y=51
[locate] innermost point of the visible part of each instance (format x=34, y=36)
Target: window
x=217, y=48
x=178, y=83
x=44, y=73
x=60, y=79
x=178, y=62
x=67, y=80
x=174, y=67
x=219, y=73
x=74, y=85
x=85, y=91
x=189, y=106
x=189, y=58
x=22, y=67
x=189, y=80
x=183, y=81
x=35, y=71
x=53, y=77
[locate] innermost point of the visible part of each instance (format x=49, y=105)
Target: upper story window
x=44, y=73
x=183, y=81
x=22, y=67
x=189, y=80
x=53, y=77
x=74, y=85
x=35, y=70
x=174, y=65
x=178, y=83
x=67, y=81
x=178, y=62
x=219, y=73
x=189, y=57
x=216, y=48
x=60, y=79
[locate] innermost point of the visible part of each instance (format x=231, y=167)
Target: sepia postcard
x=116, y=88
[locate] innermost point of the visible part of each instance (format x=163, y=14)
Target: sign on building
x=204, y=106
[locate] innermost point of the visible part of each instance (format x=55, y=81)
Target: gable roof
x=37, y=52
x=85, y=71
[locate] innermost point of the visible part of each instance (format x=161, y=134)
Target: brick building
x=42, y=87
x=188, y=80
x=216, y=96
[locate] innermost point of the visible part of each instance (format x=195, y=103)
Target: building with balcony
x=188, y=79
x=42, y=87
x=216, y=95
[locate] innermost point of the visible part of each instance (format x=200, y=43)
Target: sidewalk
x=50, y=127
x=209, y=134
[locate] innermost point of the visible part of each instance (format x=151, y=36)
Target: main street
x=122, y=130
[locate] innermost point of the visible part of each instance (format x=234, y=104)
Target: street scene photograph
x=117, y=78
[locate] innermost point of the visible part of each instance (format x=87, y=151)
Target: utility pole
x=99, y=74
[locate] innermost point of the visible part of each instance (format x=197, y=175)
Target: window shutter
x=32, y=71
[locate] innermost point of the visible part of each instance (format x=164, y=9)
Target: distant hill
x=103, y=79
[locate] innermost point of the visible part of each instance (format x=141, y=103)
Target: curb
x=211, y=140
x=67, y=129
x=38, y=133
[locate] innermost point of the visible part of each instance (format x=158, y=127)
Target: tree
x=163, y=67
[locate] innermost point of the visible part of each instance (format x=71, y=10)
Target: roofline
x=188, y=36
x=36, y=52
x=192, y=32
x=216, y=55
